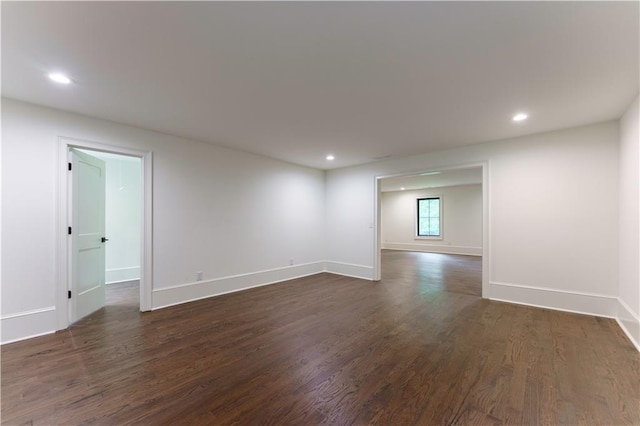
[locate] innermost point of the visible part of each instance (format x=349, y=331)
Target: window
x=429, y=223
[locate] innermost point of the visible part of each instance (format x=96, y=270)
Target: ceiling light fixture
x=520, y=116
x=402, y=189
x=59, y=78
x=330, y=157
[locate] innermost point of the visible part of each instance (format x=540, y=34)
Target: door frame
x=486, y=220
x=64, y=210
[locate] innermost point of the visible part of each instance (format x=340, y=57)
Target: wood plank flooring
x=413, y=349
x=124, y=294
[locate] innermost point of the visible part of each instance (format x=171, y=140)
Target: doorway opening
x=123, y=226
x=432, y=227
x=104, y=258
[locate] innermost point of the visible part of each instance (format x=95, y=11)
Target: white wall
x=553, y=198
x=461, y=220
x=123, y=210
x=238, y=218
x=629, y=224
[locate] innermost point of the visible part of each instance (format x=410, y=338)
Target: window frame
x=416, y=221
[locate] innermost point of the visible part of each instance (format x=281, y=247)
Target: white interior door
x=87, y=236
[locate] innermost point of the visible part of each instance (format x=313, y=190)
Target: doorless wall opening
x=433, y=181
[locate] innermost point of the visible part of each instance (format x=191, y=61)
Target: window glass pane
x=428, y=217
x=423, y=208
x=423, y=227
x=435, y=208
x=434, y=226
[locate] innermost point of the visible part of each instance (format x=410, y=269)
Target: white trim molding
x=629, y=322
x=485, y=250
x=63, y=198
x=117, y=275
x=560, y=300
x=350, y=270
x=28, y=324
x=189, y=292
x=434, y=248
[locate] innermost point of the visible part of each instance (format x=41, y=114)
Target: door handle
x=104, y=240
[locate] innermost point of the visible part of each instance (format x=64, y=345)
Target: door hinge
x=69, y=230
x=70, y=166
x=69, y=294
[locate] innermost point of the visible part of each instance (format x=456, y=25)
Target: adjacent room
x=389, y=213
x=431, y=225
x=122, y=221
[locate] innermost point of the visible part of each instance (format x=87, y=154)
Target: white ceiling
x=433, y=179
x=299, y=80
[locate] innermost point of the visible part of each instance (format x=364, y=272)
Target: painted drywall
x=629, y=224
x=240, y=218
x=236, y=217
x=123, y=212
x=461, y=220
x=551, y=199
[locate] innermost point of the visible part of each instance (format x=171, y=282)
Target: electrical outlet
x=199, y=276
x=290, y=262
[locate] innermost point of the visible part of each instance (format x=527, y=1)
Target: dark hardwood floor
x=416, y=348
x=123, y=294
x=434, y=271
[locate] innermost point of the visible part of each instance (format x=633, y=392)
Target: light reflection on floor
x=431, y=273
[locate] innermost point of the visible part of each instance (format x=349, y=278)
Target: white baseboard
x=28, y=324
x=559, y=300
x=135, y=280
x=188, y=292
x=629, y=322
x=117, y=275
x=349, y=270
x=38, y=322
x=434, y=248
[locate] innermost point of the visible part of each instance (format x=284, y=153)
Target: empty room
x=393, y=213
x=431, y=228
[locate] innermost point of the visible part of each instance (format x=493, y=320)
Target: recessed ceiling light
x=520, y=116
x=330, y=157
x=59, y=78
x=402, y=189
